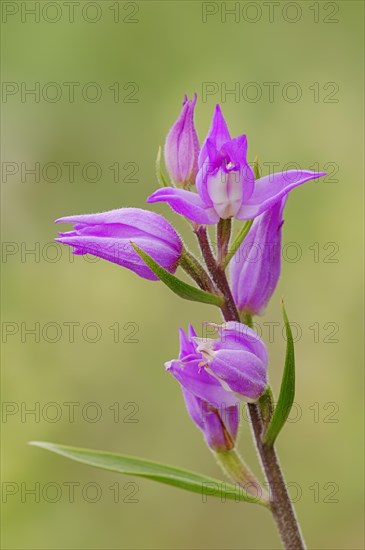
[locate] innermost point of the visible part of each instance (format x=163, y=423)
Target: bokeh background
x=125, y=327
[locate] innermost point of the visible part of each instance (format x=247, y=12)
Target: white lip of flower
x=225, y=191
x=205, y=347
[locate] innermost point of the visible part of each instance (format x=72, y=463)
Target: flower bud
x=182, y=146
x=255, y=268
x=109, y=235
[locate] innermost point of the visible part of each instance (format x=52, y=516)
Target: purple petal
x=187, y=345
x=231, y=419
x=225, y=179
x=238, y=336
x=125, y=222
x=194, y=378
x=270, y=189
x=243, y=372
x=255, y=268
x=194, y=407
x=219, y=426
x=186, y=203
x=191, y=332
x=121, y=252
x=218, y=134
x=201, y=185
x=236, y=149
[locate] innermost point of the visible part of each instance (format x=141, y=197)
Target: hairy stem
x=196, y=271
x=223, y=237
x=280, y=504
x=217, y=273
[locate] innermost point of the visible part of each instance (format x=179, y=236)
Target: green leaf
x=256, y=168
x=237, y=241
x=287, y=389
x=123, y=464
x=159, y=173
x=182, y=289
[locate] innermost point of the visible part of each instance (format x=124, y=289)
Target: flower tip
x=168, y=365
x=218, y=110
x=318, y=175
x=151, y=198
x=67, y=219
x=192, y=101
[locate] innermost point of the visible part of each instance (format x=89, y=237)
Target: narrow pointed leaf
x=123, y=464
x=159, y=173
x=182, y=289
x=287, y=389
x=256, y=168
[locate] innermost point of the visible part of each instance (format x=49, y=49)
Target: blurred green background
x=125, y=327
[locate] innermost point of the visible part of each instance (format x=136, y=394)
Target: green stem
x=246, y=318
x=191, y=265
x=216, y=272
x=266, y=403
x=223, y=237
x=280, y=504
x=237, y=243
